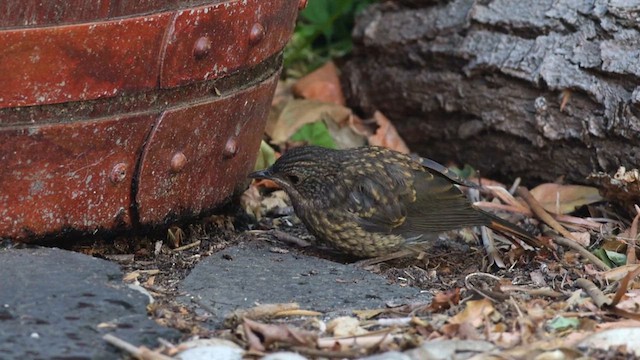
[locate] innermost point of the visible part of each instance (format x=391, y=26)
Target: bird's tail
x=500, y=225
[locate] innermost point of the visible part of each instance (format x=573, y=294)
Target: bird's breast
x=339, y=230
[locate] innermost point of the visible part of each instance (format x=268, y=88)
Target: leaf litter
x=490, y=299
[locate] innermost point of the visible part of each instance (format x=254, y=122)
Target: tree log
x=538, y=89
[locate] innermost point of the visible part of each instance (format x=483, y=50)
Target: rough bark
x=484, y=82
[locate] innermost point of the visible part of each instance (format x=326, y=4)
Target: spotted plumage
x=370, y=201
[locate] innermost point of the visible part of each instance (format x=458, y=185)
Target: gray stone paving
x=57, y=304
x=52, y=302
x=249, y=274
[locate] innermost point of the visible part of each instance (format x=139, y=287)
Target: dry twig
x=584, y=252
x=141, y=352
x=633, y=234
x=188, y=246
x=599, y=298
x=542, y=214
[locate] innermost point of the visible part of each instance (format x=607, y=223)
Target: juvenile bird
x=371, y=201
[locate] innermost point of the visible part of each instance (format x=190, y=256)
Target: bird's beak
x=262, y=174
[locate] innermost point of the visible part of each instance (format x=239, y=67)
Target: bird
x=370, y=201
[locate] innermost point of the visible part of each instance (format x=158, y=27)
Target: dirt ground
x=452, y=269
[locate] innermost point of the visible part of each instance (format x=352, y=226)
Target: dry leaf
x=261, y=336
x=582, y=238
x=251, y=202
x=505, y=339
x=618, y=273
x=260, y=312
x=275, y=202
x=630, y=301
x=284, y=92
x=386, y=135
x=563, y=199
x=474, y=313
x=345, y=326
x=323, y=85
x=443, y=300
x=131, y=277
x=357, y=125
x=297, y=113
x=344, y=136
x=368, y=314
x=282, y=96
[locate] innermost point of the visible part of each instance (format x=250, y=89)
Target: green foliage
x=611, y=258
x=561, y=323
x=323, y=32
x=315, y=133
x=467, y=172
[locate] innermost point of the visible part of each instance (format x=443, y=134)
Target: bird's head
x=303, y=172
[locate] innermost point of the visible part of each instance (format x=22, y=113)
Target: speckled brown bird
x=371, y=201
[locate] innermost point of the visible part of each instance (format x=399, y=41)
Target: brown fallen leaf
x=345, y=326
x=617, y=273
x=322, y=84
x=343, y=135
x=260, y=312
x=563, y=199
x=444, y=299
x=261, y=336
x=474, y=313
x=284, y=92
x=358, y=126
x=583, y=238
x=368, y=314
x=251, y=202
x=386, y=135
x=297, y=113
x=281, y=97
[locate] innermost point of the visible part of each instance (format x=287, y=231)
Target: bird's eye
x=293, y=179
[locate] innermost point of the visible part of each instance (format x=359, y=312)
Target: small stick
x=599, y=298
x=631, y=245
x=188, y=246
x=506, y=197
x=141, y=353
x=542, y=213
x=584, y=252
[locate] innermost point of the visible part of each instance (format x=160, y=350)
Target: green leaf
x=315, y=133
x=602, y=255
x=616, y=258
x=317, y=11
x=466, y=172
x=323, y=32
x=562, y=323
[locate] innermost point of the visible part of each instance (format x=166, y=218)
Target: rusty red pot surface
x=115, y=114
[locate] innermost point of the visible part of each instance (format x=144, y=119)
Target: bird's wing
x=374, y=203
x=413, y=205
x=438, y=206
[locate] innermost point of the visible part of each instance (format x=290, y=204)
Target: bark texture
x=538, y=89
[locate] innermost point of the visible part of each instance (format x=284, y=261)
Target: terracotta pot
x=116, y=114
